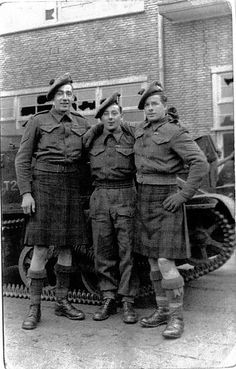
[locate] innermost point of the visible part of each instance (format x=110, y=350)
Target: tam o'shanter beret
x=153, y=87
x=113, y=99
x=55, y=84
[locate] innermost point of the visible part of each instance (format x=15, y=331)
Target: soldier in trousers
x=161, y=149
x=112, y=210
x=51, y=195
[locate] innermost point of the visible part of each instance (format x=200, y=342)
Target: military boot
x=108, y=308
x=33, y=317
x=64, y=308
x=129, y=314
x=158, y=317
x=175, y=326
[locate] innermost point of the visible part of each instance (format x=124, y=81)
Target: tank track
x=146, y=291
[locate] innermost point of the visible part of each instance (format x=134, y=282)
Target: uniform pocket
x=96, y=151
x=125, y=151
x=78, y=130
x=160, y=139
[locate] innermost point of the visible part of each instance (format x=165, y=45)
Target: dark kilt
x=159, y=233
x=59, y=218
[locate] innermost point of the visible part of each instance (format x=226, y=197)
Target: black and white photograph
x=117, y=184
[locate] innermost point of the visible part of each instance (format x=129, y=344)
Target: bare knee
x=168, y=268
x=39, y=258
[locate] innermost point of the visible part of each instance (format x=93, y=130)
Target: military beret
x=56, y=83
x=151, y=89
x=113, y=99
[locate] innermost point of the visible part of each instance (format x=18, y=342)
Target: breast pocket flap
x=96, y=151
x=49, y=129
x=125, y=151
x=78, y=131
x=159, y=139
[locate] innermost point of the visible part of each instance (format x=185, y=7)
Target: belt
x=156, y=179
x=114, y=184
x=56, y=168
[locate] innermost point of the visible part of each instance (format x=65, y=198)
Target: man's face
x=154, y=108
x=112, y=118
x=63, y=98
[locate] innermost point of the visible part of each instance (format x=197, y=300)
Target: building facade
x=120, y=45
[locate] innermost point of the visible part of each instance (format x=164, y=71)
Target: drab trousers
x=112, y=213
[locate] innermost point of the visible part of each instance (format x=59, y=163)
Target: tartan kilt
x=59, y=218
x=159, y=233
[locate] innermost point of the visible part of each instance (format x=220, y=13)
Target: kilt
x=59, y=218
x=159, y=233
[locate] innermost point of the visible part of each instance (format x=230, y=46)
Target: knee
x=168, y=268
x=40, y=253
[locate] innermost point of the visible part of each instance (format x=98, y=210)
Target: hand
x=28, y=204
x=92, y=133
x=173, y=202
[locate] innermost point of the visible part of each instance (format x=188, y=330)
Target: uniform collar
x=157, y=124
x=117, y=135
x=58, y=116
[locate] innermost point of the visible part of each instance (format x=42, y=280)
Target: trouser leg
x=105, y=256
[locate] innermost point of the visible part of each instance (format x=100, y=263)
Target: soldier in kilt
x=52, y=142
x=161, y=149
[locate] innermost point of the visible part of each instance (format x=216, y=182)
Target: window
x=21, y=106
x=223, y=108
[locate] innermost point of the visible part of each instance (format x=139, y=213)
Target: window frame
x=218, y=130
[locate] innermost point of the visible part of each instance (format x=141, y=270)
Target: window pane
x=108, y=91
x=27, y=100
x=85, y=99
x=27, y=110
x=226, y=85
x=134, y=116
x=7, y=107
x=228, y=142
x=226, y=114
x=130, y=101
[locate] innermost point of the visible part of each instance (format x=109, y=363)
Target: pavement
x=209, y=339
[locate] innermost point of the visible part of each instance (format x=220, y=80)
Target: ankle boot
x=158, y=317
x=64, y=308
x=33, y=317
x=175, y=326
x=108, y=308
x=129, y=314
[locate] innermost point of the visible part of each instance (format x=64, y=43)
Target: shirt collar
x=157, y=124
x=58, y=116
x=117, y=135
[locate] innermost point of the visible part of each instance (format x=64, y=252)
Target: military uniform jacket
x=161, y=149
x=53, y=140
x=112, y=157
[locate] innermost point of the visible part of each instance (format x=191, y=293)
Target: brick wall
x=125, y=46
x=191, y=49
x=94, y=50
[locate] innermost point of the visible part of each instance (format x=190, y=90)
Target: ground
x=58, y=343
